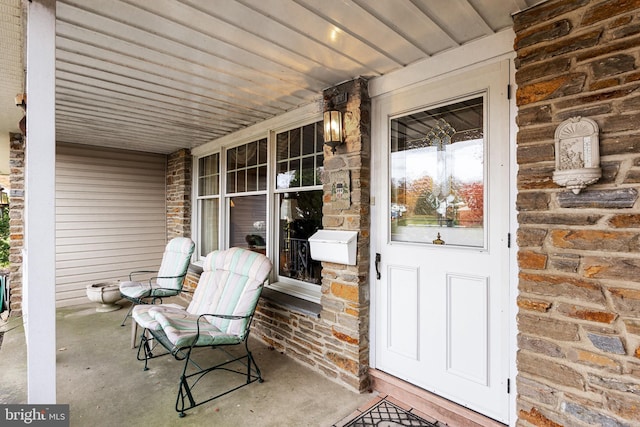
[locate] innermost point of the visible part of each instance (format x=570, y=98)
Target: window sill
x=195, y=268
x=292, y=303
x=282, y=299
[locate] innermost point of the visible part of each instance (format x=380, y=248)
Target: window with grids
x=246, y=174
x=247, y=167
x=299, y=159
x=208, y=202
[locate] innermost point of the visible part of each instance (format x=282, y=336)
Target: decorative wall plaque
x=340, y=189
x=577, y=154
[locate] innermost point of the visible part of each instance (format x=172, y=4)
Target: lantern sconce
x=21, y=101
x=333, y=122
x=4, y=199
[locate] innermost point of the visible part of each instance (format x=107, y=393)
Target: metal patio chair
x=166, y=282
x=218, y=317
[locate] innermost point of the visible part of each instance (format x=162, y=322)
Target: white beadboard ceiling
x=167, y=74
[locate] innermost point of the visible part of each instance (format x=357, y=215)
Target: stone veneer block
x=589, y=416
x=610, y=344
x=604, y=199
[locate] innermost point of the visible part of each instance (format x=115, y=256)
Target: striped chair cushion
x=144, y=290
x=175, y=262
x=230, y=284
x=182, y=330
x=232, y=287
x=144, y=314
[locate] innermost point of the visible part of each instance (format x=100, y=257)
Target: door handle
x=378, y=266
x=438, y=240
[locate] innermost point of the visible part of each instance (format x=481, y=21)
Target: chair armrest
x=140, y=272
x=154, y=278
x=221, y=316
x=159, y=298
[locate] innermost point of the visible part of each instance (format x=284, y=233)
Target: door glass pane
x=437, y=183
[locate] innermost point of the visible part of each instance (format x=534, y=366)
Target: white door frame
x=466, y=58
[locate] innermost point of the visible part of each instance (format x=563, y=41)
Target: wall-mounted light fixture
x=333, y=122
x=21, y=101
x=333, y=129
x=4, y=199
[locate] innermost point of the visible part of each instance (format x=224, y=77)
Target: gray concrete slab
x=99, y=377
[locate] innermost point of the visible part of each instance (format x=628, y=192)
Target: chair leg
x=144, y=346
x=186, y=400
x=126, y=316
x=251, y=361
x=134, y=332
x=184, y=390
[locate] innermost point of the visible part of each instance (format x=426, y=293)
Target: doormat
x=386, y=413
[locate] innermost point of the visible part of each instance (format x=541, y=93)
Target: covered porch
x=103, y=383
x=195, y=111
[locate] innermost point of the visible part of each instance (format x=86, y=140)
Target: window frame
x=196, y=214
x=270, y=128
x=298, y=288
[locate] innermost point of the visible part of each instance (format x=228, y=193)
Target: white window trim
x=195, y=211
x=297, y=288
x=299, y=117
x=300, y=290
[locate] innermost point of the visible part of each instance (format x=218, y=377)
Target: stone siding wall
x=337, y=343
x=579, y=258
x=16, y=220
x=179, y=194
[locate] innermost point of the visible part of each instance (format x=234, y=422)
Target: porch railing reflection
x=299, y=264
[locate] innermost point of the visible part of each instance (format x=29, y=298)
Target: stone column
x=345, y=289
x=179, y=194
x=16, y=221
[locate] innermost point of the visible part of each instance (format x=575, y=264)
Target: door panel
x=467, y=327
x=441, y=313
x=403, y=312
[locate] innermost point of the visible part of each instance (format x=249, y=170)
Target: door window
x=437, y=183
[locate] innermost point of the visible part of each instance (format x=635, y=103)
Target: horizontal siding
x=110, y=217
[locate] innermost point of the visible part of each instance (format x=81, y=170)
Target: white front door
x=441, y=313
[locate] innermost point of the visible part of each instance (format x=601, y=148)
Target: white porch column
x=39, y=257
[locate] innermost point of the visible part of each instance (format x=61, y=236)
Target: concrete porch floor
x=99, y=376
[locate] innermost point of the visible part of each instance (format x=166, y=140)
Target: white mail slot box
x=334, y=246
